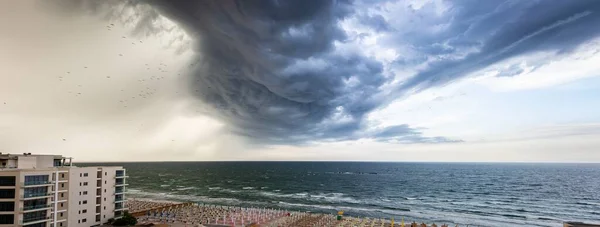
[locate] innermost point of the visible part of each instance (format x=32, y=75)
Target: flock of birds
x=145, y=91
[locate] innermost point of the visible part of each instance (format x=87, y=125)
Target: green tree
x=127, y=219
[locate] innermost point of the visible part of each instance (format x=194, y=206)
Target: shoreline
x=165, y=212
x=161, y=211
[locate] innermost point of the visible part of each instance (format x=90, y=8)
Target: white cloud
x=545, y=69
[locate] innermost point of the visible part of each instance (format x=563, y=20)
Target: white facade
x=46, y=191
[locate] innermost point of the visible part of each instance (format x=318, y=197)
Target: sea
x=477, y=194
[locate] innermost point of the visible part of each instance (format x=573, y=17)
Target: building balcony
x=117, y=184
x=35, y=208
x=36, y=183
x=35, y=196
x=121, y=176
x=35, y=220
x=121, y=208
x=119, y=200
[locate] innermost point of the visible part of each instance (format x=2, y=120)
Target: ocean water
x=459, y=193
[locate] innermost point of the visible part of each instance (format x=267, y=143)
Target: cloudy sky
x=374, y=80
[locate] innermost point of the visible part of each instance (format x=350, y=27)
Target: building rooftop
x=16, y=156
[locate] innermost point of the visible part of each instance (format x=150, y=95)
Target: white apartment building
x=48, y=191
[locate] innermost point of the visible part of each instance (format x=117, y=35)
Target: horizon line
x=353, y=161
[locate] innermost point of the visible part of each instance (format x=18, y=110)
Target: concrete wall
x=44, y=161
x=82, y=197
x=108, y=190
x=27, y=162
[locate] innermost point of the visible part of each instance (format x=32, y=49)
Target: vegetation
x=126, y=220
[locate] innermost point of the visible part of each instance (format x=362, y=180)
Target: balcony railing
x=29, y=183
x=33, y=195
x=35, y=207
x=117, y=200
x=34, y=219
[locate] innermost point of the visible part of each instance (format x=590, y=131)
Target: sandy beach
x=150, y=212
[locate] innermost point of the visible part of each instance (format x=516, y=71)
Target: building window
x=37, y=215
x=34, y=204
x=85, y=174
x=34, y=192
x=7, y=219
x=62, y=185
x=61, y=205
x=104, y=182
x=61, y=213
x=79, y=193
x=105, y=207
x=84, y=211
x=85, y=183
x=105, y=173
x=105, y=190
x=84, y=201
x=104, y=199
x=84, y=192
x=62, y=175
x=62, y=194
x=7, y=193
x=80, y=174
x=36, y=179
x=8, y=181
x=83, y=220
x=60, y=224
x=79, y=202
x=7, y=206
x=78, y=221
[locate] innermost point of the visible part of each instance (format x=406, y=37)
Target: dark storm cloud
x=472, y=35
x=275, y=72
x=271, y=69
